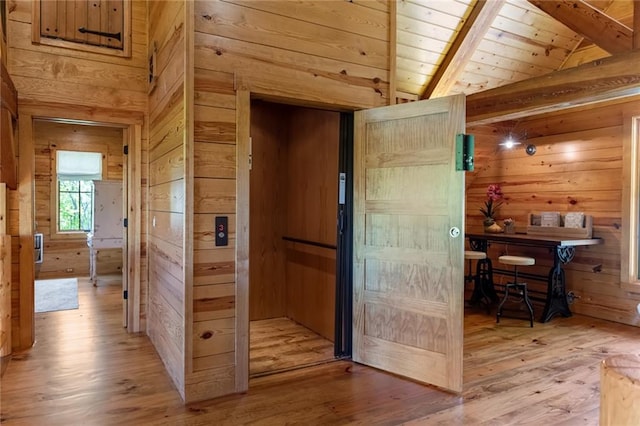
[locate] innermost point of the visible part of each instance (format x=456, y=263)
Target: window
x=630, y=253
x=101, y=26
x=75, y=205
x=75, y=172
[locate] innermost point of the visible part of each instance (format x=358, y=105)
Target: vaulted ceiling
x=469, y=46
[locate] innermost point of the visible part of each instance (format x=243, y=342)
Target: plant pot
x=493, y=229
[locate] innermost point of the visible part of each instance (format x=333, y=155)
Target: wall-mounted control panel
x=222, y=231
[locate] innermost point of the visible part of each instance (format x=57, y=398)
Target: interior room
x=233, y=115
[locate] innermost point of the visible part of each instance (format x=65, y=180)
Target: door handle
x=83, y=30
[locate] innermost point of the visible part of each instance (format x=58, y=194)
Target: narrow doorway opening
x=80, y=243
x=298, y=311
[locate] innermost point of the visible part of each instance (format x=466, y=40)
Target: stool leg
x=528, y=302
x=504, y=299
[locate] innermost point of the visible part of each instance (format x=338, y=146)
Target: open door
x=409, y=242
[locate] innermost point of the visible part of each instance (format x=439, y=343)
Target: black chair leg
x=525, y=294
x=504, y=299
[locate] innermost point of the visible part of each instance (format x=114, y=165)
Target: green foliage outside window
x=75, y=205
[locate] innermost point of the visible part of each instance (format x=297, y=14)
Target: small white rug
x=56, y=295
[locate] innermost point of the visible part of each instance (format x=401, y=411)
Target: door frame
x=243, y=186
x=131, y=122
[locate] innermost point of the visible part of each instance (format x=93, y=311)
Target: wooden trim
x=133, y=207
x=189, y=178
x=590, y=83
x=3, y=208
x=8, y=92
x=630, y=199
x=26, y=332
x=5, y=296
x=8, y=151
x=636, y=24
x=393, y=36
x=83, y=114
x=243, y=119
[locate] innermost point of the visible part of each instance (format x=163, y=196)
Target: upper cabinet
x=102, y=26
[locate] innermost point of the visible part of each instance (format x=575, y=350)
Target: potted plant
x=491, y=206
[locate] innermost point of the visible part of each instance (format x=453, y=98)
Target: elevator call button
x=222, y=231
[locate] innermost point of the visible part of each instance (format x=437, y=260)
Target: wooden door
x=408, y=269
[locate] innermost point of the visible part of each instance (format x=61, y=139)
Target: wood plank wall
x=311, y=53
x=166, y=197
x=269, y=212
x=79, y=84
x=62, y=254
x=312, y=203
x=577, y=168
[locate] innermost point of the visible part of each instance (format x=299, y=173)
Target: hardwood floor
x=84, y=369
x=280, y=344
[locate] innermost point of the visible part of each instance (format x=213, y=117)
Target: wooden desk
x=563, y=253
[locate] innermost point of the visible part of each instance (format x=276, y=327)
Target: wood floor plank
x=85, y=369
x=280, y=344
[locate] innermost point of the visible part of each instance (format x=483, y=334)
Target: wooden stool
x=482, y=272
x=519, y=287
x=620, y=390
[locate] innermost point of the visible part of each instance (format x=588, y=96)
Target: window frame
x=79, y=194
x=630, y=250
x=125, y=52
x=55, y=232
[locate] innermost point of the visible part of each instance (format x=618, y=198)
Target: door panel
x=408, y=271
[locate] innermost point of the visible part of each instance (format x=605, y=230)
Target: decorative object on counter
x=509, y=226
x=491, y=206
x=579, y=228
x=574, y=220
x=550, y=219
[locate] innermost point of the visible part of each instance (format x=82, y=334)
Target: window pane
x=86, y=185
x=68, y=185
x=69, y=211
x=86, y=204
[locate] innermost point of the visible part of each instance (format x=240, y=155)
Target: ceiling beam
x=459, y=54
x=590, y=23
x=601, y=80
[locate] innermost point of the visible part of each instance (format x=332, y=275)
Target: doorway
x=296, y=310
x=79, y=173
x=131, y=125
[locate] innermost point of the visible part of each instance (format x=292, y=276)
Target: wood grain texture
x=269, y=212
x=401, y=220
x=280, y=344
x=169, y=173
x=5, y=295
x=547, y=375
x=619, y=388
x=578, y=167
x=604, y=79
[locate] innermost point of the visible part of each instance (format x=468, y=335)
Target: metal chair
x=482, y=272
x=520, y=288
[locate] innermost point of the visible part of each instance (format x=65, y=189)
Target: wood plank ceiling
x=466, y=46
